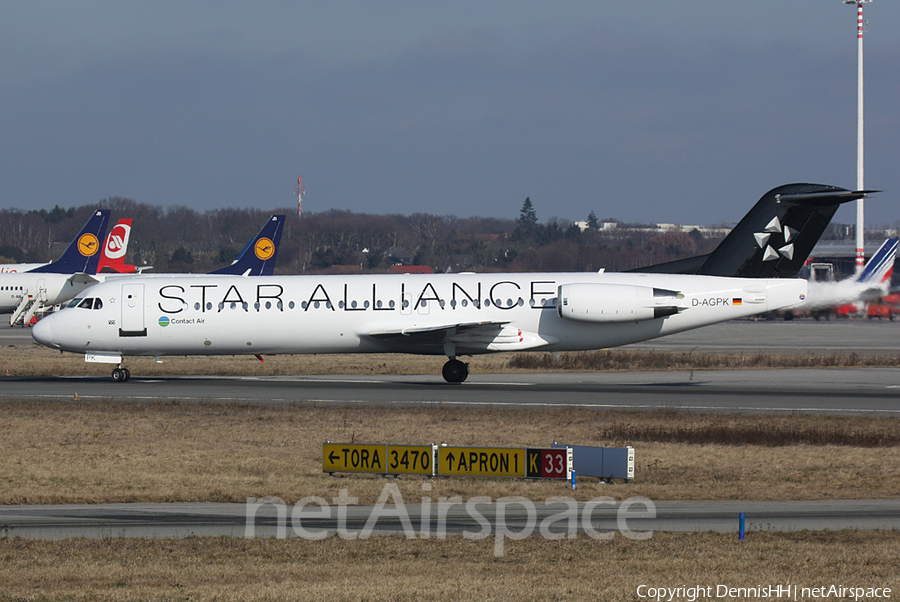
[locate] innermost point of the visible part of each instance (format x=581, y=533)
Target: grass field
x=64, y=452
x=392, y=568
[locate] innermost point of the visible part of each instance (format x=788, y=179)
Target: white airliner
x=872, y=283
x=434, y=314
x=451, y=314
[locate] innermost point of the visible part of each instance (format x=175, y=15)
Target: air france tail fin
x=112, y=257
x=83, y=253
x=871, y=284
x=774, y=239
x=881, y=265
x=258, y=257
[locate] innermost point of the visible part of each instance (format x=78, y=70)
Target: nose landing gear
x=120, y=374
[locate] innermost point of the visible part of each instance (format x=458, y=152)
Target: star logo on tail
x=775, y=236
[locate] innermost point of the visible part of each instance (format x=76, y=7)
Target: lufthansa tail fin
x=258, y=257
x=774, y=239
x=112, y=257
x=83, y=253
x=880, y=268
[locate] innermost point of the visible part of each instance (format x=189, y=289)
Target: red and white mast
x=298, y=190
x=860, y=171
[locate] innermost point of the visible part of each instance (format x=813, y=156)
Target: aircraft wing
x=462, y=337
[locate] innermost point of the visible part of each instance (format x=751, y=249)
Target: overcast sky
x=659, y=111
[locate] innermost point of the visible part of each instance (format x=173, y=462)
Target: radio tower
x=298, y=190
x=860, y=216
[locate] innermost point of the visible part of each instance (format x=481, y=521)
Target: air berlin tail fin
x=112, y=259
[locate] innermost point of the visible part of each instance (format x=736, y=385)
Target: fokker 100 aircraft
x=434, y=314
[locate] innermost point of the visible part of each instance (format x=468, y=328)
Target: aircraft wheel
x=121, y=375
x=455, y=371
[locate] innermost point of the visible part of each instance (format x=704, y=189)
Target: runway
x=872, y=392
x=633, y=517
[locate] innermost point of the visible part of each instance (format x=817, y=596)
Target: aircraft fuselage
x=451, y=314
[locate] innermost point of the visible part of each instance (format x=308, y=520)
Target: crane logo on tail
x=264, y=248
x=88, y=244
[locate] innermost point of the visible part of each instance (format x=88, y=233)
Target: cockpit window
x=89, y=303
x=74, y=302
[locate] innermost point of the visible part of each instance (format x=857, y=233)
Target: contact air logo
x=264, y=248
x=88, y=244
x=164, y=321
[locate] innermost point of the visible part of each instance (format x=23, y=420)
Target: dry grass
x=632, y=360
x=66, y=452
x=392, y=568
x=34, y=360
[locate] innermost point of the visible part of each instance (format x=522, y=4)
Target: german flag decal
x=736, y=301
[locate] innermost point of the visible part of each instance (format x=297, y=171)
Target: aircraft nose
x=42, y=332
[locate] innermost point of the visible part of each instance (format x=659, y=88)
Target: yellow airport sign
x=409, y=459
x=481, y=462
x=352, y=457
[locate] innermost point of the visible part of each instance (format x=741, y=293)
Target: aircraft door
x=133, y=311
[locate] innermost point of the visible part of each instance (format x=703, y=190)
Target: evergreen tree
x=592, y=221
x=527, y=214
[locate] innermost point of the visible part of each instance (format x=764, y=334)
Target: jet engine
x=608, y=303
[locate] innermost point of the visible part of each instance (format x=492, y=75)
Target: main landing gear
x=120, y=374
x=455, y=371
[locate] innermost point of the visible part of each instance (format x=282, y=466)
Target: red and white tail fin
x=112, y=260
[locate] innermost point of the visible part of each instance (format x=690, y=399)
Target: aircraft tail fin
x=258, y=257
x=83, y=254
x=112, y=258
x=775, y=238
x=880, y=268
